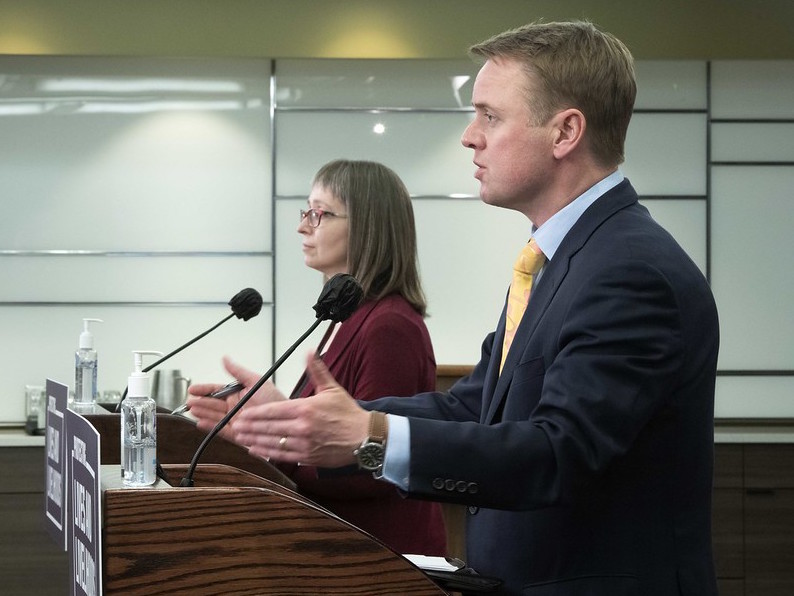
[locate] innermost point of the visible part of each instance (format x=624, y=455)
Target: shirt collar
x=550, y=235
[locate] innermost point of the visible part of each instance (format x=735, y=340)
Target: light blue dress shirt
x=549, y=236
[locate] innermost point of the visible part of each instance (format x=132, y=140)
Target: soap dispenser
x=139, y=428
x=85, y=369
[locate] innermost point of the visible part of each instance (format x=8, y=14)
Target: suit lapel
x=491, y=381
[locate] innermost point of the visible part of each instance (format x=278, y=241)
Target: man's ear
x=569, y=127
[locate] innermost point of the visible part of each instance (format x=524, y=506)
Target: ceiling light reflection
x=144, y=85
x=97, y=107
x=21, y=109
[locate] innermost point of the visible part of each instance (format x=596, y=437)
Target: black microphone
x=339, y=298
x=245, y=304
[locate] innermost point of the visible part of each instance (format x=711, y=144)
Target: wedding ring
x=282, y=443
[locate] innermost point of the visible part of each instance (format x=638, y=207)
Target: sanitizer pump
x=85, y=368
x=139, y=428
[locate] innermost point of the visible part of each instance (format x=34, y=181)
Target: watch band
x=377, y=427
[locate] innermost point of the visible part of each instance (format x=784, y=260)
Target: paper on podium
x=454, y=575
x=429, y=563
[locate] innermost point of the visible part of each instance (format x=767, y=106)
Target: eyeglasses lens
x=313, y=216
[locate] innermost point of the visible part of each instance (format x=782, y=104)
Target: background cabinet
x=30, y=562
x=754, y=519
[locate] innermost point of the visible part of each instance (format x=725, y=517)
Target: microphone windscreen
x=246, y=304
x=339, y=299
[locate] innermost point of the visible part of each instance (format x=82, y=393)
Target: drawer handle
x=760, y=492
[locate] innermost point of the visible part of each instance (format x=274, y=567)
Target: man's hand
x=322, y=430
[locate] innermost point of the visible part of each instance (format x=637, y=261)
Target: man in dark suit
x=586, y=457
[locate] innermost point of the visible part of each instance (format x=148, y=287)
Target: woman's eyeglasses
x=316, y=216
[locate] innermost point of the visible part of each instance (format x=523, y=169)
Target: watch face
x=370, y=456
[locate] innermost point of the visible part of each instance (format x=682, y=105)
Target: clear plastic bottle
x=85, y=369
x=139, y=429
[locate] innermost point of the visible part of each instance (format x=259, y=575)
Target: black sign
x=85, y=549
x=55, y=469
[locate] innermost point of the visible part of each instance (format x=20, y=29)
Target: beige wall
x=697, y=29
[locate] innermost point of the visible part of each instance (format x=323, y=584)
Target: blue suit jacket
x=587, y=464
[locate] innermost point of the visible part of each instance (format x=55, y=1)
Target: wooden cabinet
x=30, y=561
x=728, y=519
x=769, y=519
x=753, y=524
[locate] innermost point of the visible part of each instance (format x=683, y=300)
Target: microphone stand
x=187, y=481
x=188, y=344
x=179, y=349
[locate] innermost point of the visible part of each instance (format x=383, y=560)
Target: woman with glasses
x=360, y=221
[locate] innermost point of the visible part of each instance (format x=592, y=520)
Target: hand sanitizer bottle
x=139, y=428
x=85, y=369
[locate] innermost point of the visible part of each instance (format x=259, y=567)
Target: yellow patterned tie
x=526, y=267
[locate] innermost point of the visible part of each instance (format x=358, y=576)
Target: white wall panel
x=153, y=154
x=466, y=255
x=671, y=85
x=742, y=89
x=153, y=182
x=754, y=397
x=374, y=83
x=752, y=211
x=116, y=155
x=752, y=142
x=423, y=148
x=666, y=154
x=685, y=219
x=142, y=278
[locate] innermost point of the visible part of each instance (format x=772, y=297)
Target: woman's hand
x=210, y=410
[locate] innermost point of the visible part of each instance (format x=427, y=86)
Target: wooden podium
x=234, y=532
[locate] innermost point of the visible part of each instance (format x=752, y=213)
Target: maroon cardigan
x=382, y=349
